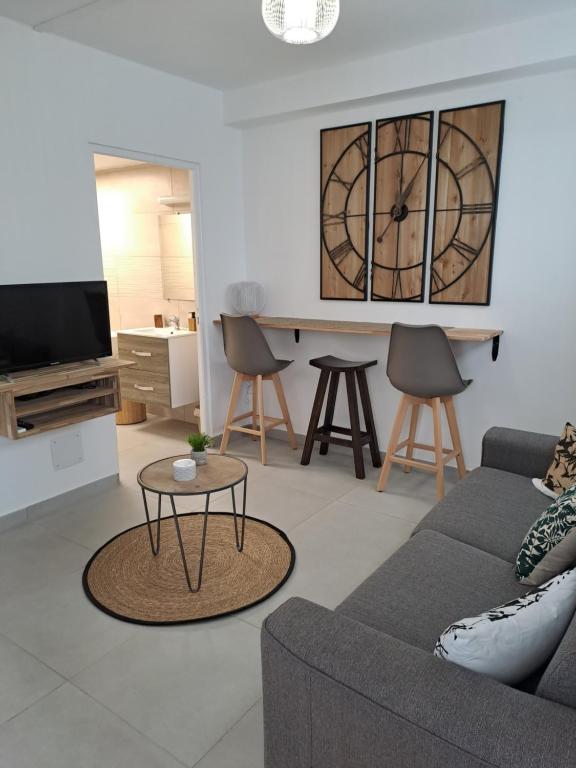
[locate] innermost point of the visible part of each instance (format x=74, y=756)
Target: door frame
x=197, y=243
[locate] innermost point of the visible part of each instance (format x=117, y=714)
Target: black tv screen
x=48, y=323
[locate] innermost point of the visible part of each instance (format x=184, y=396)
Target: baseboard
x=281, y=435
x=42, y=508
x=12, y=519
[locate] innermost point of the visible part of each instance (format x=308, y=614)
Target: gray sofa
x=358, y=687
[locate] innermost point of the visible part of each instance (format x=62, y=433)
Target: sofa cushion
x=549, y=547
x=558, y=683
x=490, y=510
x=512, y=641
x=430, y=582
x=562, y=472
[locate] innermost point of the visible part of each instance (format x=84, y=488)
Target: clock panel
x=345, y=168
x=467, y=174
x=401, y=194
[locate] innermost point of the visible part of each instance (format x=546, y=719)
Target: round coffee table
x=219, y=474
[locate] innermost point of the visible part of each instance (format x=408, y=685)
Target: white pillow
x=539, y=485
x=510, y=642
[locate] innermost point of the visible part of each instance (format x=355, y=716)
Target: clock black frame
x=428, y=116
x=323, y=189
x=495, y=185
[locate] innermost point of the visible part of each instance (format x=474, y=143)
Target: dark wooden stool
x=331, y=368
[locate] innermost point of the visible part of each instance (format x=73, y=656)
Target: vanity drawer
x=147, y=354
x=145, y=386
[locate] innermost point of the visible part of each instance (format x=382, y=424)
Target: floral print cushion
x=561, y=474
x=549, y=547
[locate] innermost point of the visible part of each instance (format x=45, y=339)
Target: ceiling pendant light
x=300, y=21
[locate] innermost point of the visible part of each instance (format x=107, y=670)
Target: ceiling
x=224, y=44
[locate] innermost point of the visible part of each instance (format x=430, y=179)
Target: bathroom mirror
x=177, y=256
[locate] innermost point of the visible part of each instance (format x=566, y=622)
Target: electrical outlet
x=67, y=450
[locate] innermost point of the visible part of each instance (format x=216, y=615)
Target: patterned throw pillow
x=562, y=472
x=549, y=547
x=510, y=642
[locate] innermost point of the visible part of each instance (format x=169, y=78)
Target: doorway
x=147, y=220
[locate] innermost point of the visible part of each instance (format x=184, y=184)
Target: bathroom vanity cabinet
x=165, y=366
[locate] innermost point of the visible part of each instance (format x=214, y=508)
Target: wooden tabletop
x=219, y=473
x=369, y=329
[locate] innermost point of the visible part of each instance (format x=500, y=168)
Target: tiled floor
x=80, y=689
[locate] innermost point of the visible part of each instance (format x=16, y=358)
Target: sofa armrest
x=517, y=451
x=338, y=693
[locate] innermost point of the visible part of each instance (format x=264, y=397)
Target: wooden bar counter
x=298, y=324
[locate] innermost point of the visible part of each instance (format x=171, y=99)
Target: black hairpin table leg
x=181, y=544
x=240, y=539
x=154, y=547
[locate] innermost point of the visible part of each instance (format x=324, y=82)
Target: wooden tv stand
x=60, y=399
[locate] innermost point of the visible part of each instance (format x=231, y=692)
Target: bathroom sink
x=161, y=332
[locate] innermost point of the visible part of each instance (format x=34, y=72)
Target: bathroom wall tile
x=140, y=277
x=180, y=181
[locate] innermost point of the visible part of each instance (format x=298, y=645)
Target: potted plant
x=199, y=442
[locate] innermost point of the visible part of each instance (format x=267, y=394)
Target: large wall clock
x=345, y=189
x=401, y=194
x=467, y=175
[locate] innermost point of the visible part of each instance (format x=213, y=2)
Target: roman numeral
x=437, y=280
x=402, y=140
x=360, y=277
x=397, y=284
x=477, y=208
x=339, y=253
x=470, y=167
x=338, y=180
x=443, y=139
x=465, y=250
x=331, y=219
x=361, y=145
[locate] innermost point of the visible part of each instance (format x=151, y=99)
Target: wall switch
x=67, y=450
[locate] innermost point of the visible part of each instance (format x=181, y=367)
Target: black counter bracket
x=495, y=343
x=495, y=347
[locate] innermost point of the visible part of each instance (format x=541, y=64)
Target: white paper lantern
x=247, y=298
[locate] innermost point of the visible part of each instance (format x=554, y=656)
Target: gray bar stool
x=331, y=368
x=251, y=359
x=422, y=366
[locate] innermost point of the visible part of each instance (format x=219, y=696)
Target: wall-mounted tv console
x=57, y=396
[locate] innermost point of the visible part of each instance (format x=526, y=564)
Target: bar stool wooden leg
x=238, y=379
x=455, y=435
x=284, y=409
x=315, y=417
x=355, y=425
x=412, y=435
x=394, y=439
x=438, y=452
x=254, y=408
x=369, y=417
x=261, y=420
x=330, y=405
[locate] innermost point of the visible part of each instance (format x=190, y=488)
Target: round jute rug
x=127, y=581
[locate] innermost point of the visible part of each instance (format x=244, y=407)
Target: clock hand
x=381, y=236
x=403, y=196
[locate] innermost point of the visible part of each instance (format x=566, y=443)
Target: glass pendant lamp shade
x=300, y=21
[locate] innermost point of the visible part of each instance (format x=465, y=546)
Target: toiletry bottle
x=192, y=325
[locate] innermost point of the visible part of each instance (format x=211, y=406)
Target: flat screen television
x=48, y=323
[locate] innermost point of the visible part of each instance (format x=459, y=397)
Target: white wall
x=56, y=98
x=532, y=384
